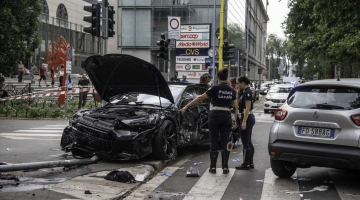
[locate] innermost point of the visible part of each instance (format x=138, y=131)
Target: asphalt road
x=38, y=140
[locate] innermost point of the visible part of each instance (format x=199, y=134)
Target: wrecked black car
x=142, y=116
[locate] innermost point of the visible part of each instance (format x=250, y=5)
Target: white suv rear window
x=325, y=98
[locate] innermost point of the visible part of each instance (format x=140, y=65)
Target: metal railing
x=60, y=22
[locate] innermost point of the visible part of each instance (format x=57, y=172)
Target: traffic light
x=93, y=19
x=163, y=50
x=228, y=51
x=111, y=21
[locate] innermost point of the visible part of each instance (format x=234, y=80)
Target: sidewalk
x=85, y=182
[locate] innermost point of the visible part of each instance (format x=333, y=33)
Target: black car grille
x=93, y=142
x=94, y=132
x=278, y=100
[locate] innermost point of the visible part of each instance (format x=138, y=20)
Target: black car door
x=192, y=120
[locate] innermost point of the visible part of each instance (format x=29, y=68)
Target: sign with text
x=192, y=52
x=190, y=59
x=190, y=67
x=174, y=25
x=192, y=74
x=194, y=36
x=193, y=44
x=195, y=28
x=68, y=67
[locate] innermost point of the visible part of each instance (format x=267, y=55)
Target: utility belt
x=219, y=108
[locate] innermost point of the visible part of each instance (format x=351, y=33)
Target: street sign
x=68, y=53
x=174, y=30
x=68, y=67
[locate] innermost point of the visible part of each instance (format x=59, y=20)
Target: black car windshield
x=145, y=99
x=331, y=98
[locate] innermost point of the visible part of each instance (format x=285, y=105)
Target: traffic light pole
x=221, y=34
x=105, y=25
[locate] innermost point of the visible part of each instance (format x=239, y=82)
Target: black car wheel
x=164, y=146
x=282, y=169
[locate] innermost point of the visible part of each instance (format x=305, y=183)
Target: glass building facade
x=142, y=22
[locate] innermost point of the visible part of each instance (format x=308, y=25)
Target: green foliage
x=326, y=34
x=56, y=113
x=18, y=32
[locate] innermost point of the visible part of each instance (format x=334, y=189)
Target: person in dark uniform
x=247, y=122
x=222, y=98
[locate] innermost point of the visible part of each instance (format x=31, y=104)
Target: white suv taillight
x=356, y=119
x=280, y=114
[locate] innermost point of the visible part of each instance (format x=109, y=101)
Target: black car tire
x=164, y=146
x=282, y=169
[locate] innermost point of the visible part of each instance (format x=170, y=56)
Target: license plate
x=317, y=132
x=279, y=104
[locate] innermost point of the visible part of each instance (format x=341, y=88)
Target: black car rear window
x=325, y=97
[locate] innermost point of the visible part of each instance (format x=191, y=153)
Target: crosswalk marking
x=144, y=190
x=210, y=186
x=38, y=131
x=48, y=132
x=278, y=188
x=30, y=134
x=48, y=128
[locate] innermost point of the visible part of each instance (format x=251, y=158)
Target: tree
x=326, y=34
x=18, y=32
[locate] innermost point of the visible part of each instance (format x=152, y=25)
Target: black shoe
x=213, y=159
x=252, y=166
x=252, y=158
x=224, y=161
x=246, y=164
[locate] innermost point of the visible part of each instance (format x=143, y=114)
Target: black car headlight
x=73, y=119
x=139, y=121
x=268, y=99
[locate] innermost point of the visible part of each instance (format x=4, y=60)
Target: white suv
x=276, y=97
x=319, y=125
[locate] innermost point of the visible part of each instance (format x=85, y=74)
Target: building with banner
x=140, y=23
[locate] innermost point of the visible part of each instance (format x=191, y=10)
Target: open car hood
x=115, y=74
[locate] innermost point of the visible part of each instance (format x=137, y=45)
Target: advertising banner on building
x=194, y=36
x=190, y=67
x=192, y=51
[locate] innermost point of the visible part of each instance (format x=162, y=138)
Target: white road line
x=38, y=131
x=210, y=186
x=30, y=135
x=48, y=128
x=348, y=189
x=145, y=189
x=28, y=138
x=279, y=188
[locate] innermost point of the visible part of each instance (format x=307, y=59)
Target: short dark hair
x=244, y=79
x=223, y=74
x=176, y=72
x=233, y=80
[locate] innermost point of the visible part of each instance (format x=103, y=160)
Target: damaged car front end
x=139, y=118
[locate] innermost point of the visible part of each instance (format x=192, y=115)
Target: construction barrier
x=37, y=95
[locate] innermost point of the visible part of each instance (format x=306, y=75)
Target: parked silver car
x=319, y=125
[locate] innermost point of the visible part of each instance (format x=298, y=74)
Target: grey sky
x=277, y=11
